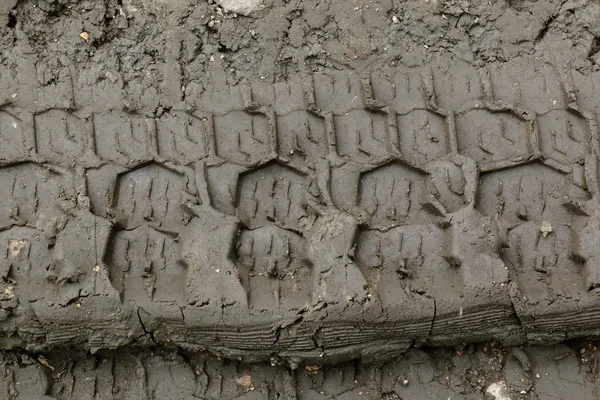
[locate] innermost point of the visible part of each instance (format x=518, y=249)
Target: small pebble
x=111, y=77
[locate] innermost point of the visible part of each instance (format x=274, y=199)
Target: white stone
x=243, y=7
x=546, y=228
x=499, y=391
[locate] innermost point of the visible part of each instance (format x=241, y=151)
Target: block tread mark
x=275, y=268
x=25, y=254
x=531, y=192
x=146, y=260
x=393, y=194
x=271, y=194
x=150, y=194
x=32, y=193
x=397, y=264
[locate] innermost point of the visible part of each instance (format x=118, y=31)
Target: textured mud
x=474, y=372
x=306, y=183
x=152, y=55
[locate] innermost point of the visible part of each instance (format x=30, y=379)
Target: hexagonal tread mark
x=495, y=139
x=241, y=137
x=182, y=137
x=301, y=137
x=123, y=138
x=423, y=135
x=403, y=92
x=392, y=195
x=274, y=268
x=62, y=137
x=150, y=194
x=452, y=185
x=146, y=260
x=362, y=135
x=283, y=97
x=272, y=194
x=31, y=192
x=338, y=92
x=538, y=90
x=565, y=137
x=457, y=86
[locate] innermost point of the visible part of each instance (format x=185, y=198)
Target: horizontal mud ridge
x=315, y=220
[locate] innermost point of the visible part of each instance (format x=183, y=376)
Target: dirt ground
x=151, y=56
x=133, y=51
x=484, y=371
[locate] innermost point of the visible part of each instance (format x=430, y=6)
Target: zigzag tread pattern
x=418, y=196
